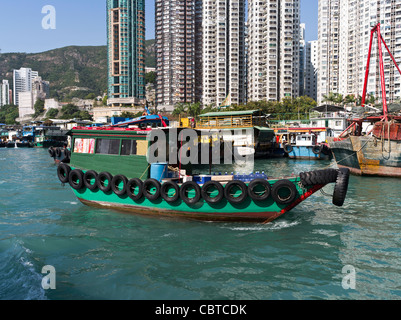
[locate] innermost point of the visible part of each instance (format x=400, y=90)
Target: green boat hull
x=247, y=211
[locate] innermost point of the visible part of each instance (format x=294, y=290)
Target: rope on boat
x=355, y=152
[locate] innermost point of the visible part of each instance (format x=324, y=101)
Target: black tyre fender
x=51, y=152
x=318, y=177
x=288, y=148
x=58, y=152
x=67, y=153
x=76, y=179
x=317, y=149
x=183, y=192
x=341, y=187
x=131, y=185
x=102, y=178
x=63, y=173
x=88, y=176
x=164, y=191
x=256, y=197
x=151, y=183
x=290, y=191
x=115, y=182
x=206, y=195
x=239, y=184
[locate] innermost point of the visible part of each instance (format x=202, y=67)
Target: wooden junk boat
x=376, y=152
x=109, y=168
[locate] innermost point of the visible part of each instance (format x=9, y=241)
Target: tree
x=39, y=107
x=8, y=114
x=150, y=77
x=52, y=113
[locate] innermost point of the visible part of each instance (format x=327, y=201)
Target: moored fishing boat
x=304, y=143
x=109, y=168
x=374, y=149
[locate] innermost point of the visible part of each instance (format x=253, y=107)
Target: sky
x=82, y=22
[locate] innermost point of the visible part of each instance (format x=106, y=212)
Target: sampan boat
x=109, y=168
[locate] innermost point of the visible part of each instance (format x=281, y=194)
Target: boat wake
x=266, y=227
x=20, y=279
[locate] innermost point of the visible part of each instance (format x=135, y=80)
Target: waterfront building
x=344, y=35
x=126, y=47
x=310, y=88
x=273, y=49
x=178, y=52
x=224, y=68
x=23, y=82
x=4, y=93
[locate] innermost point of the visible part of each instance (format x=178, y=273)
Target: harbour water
x=103, y=254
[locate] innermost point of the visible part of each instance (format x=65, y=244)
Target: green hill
x=73, y=71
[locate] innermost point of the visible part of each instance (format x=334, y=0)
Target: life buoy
x=185, y=190
x=165, y=194
x=231, y=197
x=116, y=185
x=206, y=193
x=341, y=187
x=104, y=181
x=58, y=152
x=151, y=185
x=259, y=195
x=88, y=177
x=284, y=192
x=317, y=149
x=135, y=189
x=287, y=148
x=51, y=152
x=76, y=179
x=63, y=172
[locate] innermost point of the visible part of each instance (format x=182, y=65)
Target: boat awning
x=328, y=108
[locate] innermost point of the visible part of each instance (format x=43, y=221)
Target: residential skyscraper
x=302, y=48
x=224, y=69
x=344, y=35
x=178, y=52
x=273, y=49
x=310, y=88
x=4, y=93
x=23, y=82
x=126, y=48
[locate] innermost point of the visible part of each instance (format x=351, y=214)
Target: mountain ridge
x=73, y=71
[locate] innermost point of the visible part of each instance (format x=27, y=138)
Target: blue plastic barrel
x=158, y=171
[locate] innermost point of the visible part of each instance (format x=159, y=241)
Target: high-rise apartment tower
x=126, y=49
x=273, y=49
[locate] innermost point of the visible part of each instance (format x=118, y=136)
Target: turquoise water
x=103, y=254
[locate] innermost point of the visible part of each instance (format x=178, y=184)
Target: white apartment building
x=311, y=69
x=344, y=35
x=178, y=52
x=273, y=49
x=224, y=69
x=4, y=93
x=302, y=56
x=23, y=82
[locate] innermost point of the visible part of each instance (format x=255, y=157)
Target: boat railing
x=229, y=122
